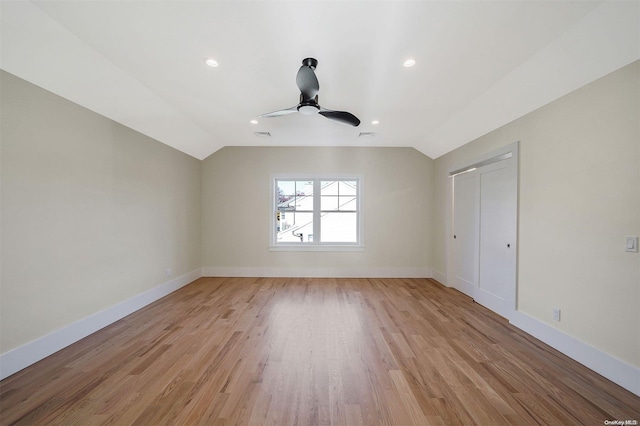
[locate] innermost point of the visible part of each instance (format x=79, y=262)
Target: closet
x=484, y=230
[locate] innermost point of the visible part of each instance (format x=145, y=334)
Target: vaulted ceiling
x=478, y=64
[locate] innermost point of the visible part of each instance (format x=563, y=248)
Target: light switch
x=631, y=244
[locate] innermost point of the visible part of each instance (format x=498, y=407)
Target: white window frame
x=316, y=245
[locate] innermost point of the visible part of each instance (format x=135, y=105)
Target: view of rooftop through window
x=316, y=211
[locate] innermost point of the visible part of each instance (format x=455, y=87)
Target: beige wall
x=579, y=198
x=93, y=213
x=397, y=206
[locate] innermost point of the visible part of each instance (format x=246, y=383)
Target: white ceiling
x=480, y=64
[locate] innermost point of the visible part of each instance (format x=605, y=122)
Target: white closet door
x=497, y=253
x=485, y=203
x=465, y=232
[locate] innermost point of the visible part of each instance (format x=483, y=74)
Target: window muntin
x=316, y=212
x=338, y=195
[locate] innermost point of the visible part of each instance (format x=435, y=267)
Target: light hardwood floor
x=311, y=351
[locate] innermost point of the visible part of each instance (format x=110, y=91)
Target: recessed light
x=374, y=122
x=409, y=63
x=254, y=122
x=211, y=62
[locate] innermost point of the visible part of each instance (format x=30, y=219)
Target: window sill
x=318, y=247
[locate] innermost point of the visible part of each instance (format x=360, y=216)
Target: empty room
x=319, y=212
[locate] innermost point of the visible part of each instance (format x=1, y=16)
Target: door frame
x=479, y=161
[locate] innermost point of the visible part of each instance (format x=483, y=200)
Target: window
x=316, y=213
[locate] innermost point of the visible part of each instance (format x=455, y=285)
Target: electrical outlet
x=167, y=272
x=556, y=314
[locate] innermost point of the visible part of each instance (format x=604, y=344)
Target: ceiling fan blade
x=281, y=112
x=307, y=82
x=341, y=117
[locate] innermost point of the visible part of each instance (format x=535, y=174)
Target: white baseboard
x=320, y=272
x=612, y=368
x=440, y=277
x=23, y=356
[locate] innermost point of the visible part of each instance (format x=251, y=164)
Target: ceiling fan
x=308, y=84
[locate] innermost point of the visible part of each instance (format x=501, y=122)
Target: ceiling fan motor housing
x=308, y=109
x=310, y=62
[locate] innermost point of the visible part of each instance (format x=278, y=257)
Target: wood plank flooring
x=280, y=351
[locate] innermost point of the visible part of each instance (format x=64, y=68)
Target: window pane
x=348, y=187
x=339, y=227
x=295, y=227
x=287, y=187
x=329, y=187
x=328, y=203
x=304, y=202
x=347, y=203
